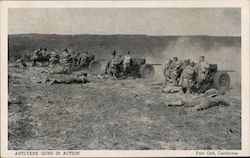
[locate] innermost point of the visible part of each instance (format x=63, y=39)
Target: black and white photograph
x=131, y=78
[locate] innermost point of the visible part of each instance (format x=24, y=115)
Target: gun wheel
x=95, y=67
x=222, y=81
x=147, y=71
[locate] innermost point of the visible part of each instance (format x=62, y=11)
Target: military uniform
x=65, y=58
x=167, y=71
x=201, y=70
x=53, y=58
x=207, y=102
x=21, y=63
x=61, y=70
x=175, y=70
x=186, y=62
x=113, y=66
x=65, y=64
x=43, y=53
x=126, y=59
x=83, y=59
x=82, y=78
x=171, y=89
x=187, y=79
x=36, y=55
x=76, y=61
x=214, y=98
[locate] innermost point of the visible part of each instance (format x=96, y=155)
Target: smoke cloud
x=225, y=53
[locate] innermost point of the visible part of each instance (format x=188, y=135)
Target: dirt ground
x=112, y=114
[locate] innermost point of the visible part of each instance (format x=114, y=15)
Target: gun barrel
x=227, y=70
x=155, y=64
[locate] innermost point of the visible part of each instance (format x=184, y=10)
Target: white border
x=243, y=4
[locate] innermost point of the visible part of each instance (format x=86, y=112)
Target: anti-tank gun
x=219, y=79
x=138, y=68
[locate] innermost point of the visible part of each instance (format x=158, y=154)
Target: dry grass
x=112, y=114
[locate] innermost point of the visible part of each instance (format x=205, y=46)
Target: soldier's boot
x=219, y=100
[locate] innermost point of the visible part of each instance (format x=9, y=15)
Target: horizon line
x=118, y=34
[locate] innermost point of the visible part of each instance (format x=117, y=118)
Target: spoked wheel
x=147, y=71
x=222, y=81
x=95, y=67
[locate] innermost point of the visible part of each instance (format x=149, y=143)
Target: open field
x=112, y=114
x=120, y=114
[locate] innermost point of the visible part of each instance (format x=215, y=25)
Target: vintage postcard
x=124, y=78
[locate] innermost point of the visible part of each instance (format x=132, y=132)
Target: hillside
x=140, y=45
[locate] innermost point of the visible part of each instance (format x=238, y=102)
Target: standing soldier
x=113, y=65
x=125, y=60
x=83, y=59
x=76, y=61
x=65, y=57
x=74, y=57
x=201, y=70
x=43, y=53
x=187, y=79
x=87, y=56
x=186, y=62
x=40, y=52
x=65, y=62
x=35, y=56
x=175, y=70
x=120, y=65
x=167, y=71
x=44, y=56
x=53, y=57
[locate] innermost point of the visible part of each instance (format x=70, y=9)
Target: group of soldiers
x=186, y=74
x=188, y=77
x=67, y=59
x=183, y=76
x=117, y=64
x=63, y=63
x=44, y=54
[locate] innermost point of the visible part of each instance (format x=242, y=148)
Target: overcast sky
x=218, y=22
